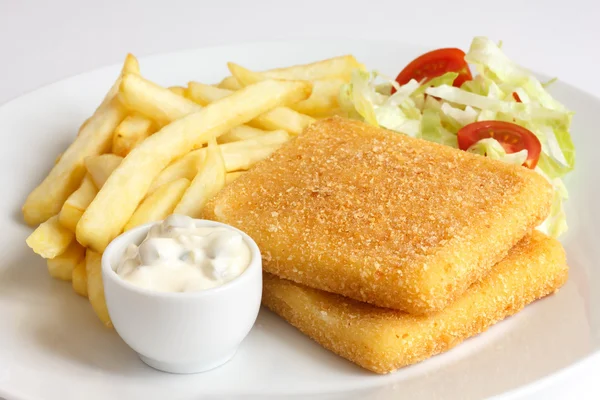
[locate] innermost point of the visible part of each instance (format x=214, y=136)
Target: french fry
x=129, y=183
x=95, y=286
x=336, y=67
x=283, y=118
x=65, y=177
x=242, y=132
x=245, y=76
x=331, y=113
x=50, y=238
x=88, y=120
x=76, y=203
x=153, y=101
x=268, y=138
x=159, y=204
x=206, y=94
x=185, y=167
x=243, y=154
x=79, y=279
x=236, y=155
x=278, y=118
x=209, y=180
x=323, y=99
x=100, y=167
x=232, y=176
x=62, y=266
x=130, y=132
x=229, y=83
x=178, y=90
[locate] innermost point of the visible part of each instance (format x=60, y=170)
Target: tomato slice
x=434, y=64
x=512, y=137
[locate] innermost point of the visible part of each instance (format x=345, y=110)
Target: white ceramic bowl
x=182, y=332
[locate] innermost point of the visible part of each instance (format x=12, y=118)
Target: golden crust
x=381, y=217
x=383, y=340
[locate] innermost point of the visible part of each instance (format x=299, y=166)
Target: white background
x=44, y=41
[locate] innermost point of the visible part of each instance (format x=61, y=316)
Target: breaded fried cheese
x=381, y=217
x=383, y=340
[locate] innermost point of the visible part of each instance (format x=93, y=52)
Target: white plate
x=52, y=346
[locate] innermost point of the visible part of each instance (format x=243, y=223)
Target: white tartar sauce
x=180, y=256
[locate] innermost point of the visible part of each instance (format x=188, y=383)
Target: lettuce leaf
x=432, y=129
x=491, y=148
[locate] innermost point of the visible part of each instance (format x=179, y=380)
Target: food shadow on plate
x=517, y=334
x=52, y=318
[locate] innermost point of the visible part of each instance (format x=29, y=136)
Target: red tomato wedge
x=434, y=64
x=512, y=137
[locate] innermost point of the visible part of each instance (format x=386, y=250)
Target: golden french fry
x=206, y=94
x=245, y=153
x=88, y=120
x=283, y=118
x=130, y=66
x=331, y=113
x=95, y=286
x=50, y=238
x=79, y=279
x=62, y=266
x=100, y=167
x=185, y=167
x=209, y=180
x=130, y=132
x=268, y=138
x=245, y=76
x=242, y=132
x=337, y=67
x=229, y=83
x=178, y=90
x=278, y=118
x=57, y=159
x=160, y=204
x=232, y=176
x=129, y=183
x=323, y=99
x=95, y=138
x=159, y=104
x=76, y=203
x=236, y=155
x=153, y=101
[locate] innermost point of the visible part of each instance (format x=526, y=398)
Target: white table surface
x=44, y=41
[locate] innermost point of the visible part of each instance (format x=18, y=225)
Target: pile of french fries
x=149, y=151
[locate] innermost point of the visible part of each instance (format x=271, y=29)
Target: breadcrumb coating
x=381, y=217
x=383, y=340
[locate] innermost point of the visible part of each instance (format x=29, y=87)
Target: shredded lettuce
x=445, y=79
x=436, y=110
x=556, y=223
x=490, y=147
x=432, y=129
x=462, y=117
